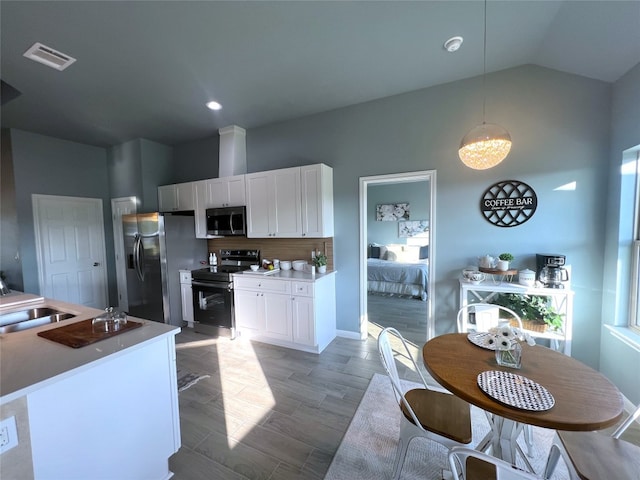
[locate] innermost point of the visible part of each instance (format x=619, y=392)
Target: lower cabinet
x=186, y=296
x=291, y=313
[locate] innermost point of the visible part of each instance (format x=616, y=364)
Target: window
x=634, y=298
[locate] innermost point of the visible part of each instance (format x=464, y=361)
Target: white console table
x=561, y=300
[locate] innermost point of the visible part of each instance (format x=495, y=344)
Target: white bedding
x=396, y=278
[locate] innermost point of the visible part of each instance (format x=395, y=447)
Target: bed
x=398, y=270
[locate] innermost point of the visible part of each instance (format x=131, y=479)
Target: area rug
x=188, y=379
x=368, y=448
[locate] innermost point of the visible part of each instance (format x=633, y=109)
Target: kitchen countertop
x=29, y=362
x=290, y=275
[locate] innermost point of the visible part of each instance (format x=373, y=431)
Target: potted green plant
x=320, y=261
x=503, y=261
x=536, y=309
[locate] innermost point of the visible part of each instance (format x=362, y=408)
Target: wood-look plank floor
x=268, y=412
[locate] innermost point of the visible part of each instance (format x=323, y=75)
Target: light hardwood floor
x=268, y=412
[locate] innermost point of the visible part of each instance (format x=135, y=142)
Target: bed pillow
x=424, y=252
x=403, y=253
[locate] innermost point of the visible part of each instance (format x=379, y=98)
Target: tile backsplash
x=281, y=248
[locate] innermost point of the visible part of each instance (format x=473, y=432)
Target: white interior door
x=70, y=248
x=121, y=206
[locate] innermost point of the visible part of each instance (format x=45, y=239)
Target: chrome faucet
x=4, y=290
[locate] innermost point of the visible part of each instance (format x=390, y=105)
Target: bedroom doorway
x=397, y=242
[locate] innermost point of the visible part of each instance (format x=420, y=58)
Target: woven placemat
x=515, y=390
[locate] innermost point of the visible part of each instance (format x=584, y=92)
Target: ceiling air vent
x=48, y=56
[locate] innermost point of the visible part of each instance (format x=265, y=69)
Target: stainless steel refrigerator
x=156, y=247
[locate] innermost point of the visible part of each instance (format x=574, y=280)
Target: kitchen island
x=103, y=411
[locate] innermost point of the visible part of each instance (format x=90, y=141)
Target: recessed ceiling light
x=214, y=105
x=453, y=44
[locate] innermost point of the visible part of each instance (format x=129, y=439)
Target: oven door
x=213, y=308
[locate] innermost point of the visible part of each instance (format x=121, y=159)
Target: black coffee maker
x=550, y=270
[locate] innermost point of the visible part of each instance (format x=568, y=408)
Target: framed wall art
x=392, y=212
x=413, y=228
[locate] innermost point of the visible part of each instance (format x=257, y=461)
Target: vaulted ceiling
x=147, y=68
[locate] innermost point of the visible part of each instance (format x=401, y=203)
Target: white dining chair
x=428, y=413
x=469, y=464
x=488, y=315
x=593, y=455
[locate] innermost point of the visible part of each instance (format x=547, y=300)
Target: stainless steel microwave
x=226, y=221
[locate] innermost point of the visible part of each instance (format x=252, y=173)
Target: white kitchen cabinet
x=249, y=311
x=302, y=320
x=277, y=316
x=274, y=204
x=200, y=195
x=226, y=192
x=294, y=313
x=263, y=307
x=186, y=296
x=317, y=200
x=176, y=197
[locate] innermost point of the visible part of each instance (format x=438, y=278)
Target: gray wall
x=50, y=166
x=619, y=360
x=560, y=128
x=136, y=168
x=415, y=193
x=10, y=263
x=196, y=160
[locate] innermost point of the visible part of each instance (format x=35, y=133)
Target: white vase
x=502, y=265
x=322, y=269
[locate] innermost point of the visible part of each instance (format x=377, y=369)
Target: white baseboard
x=348, y=334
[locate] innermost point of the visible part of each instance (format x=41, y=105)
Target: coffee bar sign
x=508, y=203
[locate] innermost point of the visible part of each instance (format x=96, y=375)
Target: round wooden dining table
x=585, y=400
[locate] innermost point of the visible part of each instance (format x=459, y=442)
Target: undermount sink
x=30, y=318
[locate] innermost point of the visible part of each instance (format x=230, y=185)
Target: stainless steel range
x=213, y=292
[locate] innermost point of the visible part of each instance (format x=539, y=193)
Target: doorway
x=69, y=234
x=411, y=230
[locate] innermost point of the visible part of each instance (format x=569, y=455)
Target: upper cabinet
x=226, y=191
x=214, y=193
x=291, y=202
x=273, y=203
x=176, y=197
x=317, y=200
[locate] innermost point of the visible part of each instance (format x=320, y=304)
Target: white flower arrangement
x=504, y=336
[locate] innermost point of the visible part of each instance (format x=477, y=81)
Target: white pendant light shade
x=485, y=146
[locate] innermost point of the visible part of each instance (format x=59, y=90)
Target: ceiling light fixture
x=486, y=145
x=213, y=105
x=453, y=44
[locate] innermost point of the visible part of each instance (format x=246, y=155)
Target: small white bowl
x=285, y=265
x=254, y=267
x=298, y=265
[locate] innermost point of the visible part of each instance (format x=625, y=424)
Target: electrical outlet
x=8, y=434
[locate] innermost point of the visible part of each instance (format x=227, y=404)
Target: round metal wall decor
x=508, y=203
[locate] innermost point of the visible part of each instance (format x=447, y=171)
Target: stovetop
x=231, y=261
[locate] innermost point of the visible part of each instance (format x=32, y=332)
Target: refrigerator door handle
x=138, y=257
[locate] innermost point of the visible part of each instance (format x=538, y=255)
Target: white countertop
x=290, y=275
x=29, y=362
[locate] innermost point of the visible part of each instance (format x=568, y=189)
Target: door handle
x=96, y=264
